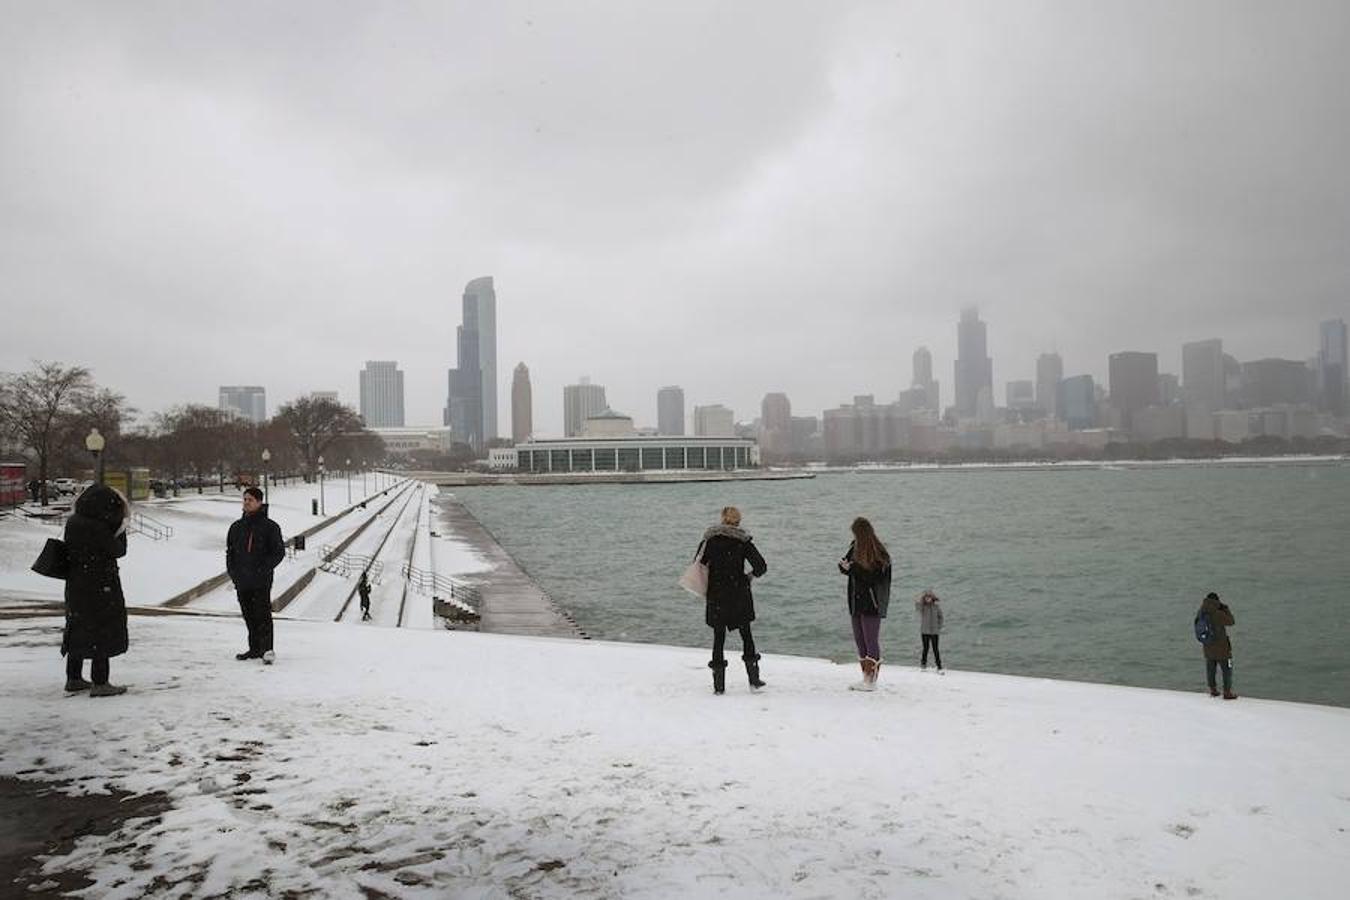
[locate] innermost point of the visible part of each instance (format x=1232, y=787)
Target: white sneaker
x=268, y=658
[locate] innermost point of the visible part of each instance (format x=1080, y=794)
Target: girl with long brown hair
x=868, y=567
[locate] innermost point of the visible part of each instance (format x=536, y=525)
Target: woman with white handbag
x=728, y=602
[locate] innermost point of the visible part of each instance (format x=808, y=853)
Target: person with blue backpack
x=1211, y=630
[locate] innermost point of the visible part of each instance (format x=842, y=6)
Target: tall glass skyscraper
x=471, y=405
x=974, y=368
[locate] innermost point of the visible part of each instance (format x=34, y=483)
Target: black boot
x=752, y=670
x=719, y=669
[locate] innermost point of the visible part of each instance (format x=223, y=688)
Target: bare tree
x=35, y=407
x=100, y=408
x=314, y=424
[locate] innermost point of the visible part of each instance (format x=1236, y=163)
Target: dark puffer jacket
x=869, y=591
x=96, y=610
x=253, y=548
x=726, y=550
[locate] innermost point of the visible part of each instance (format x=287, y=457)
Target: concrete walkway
x=511, y=601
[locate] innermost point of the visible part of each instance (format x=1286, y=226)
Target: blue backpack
x=1205, y=632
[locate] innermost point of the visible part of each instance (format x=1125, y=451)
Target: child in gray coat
x=930, y=627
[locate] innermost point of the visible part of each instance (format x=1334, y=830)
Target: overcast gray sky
x=734, y=197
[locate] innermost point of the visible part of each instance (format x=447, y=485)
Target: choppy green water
x=1089, y=575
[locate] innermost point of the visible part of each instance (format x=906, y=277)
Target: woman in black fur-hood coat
x=725, y=551
x=96, y=610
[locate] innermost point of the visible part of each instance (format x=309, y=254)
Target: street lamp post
x=266, y=458
x=322, y=508
x=364, y=492
x=349, y=482
x=94, y=443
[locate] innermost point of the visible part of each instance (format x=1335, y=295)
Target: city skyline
x=823, y=194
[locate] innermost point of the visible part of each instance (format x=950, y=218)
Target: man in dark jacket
x=253, y=548
x=1218, y=652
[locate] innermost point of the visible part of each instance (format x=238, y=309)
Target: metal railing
x=349, y=564
x=458, y=600
x=151, y=528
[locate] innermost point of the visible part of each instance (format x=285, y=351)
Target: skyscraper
x=471, y=405
x=1077, y=401
x=775, y=424
x=1202, y=378
x=248, y=401
x=670, y=411
x=974, y=368
x=1332, y=368
x=923, y=379
x=522, y=405
x=1049, y=373
x=580, y=402
x=1133, y=383
x=382, y=394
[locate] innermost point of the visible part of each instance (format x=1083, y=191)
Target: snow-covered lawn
x=432, y=763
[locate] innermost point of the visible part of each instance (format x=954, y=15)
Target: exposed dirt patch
x=37, y=819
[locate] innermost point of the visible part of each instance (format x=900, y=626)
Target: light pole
x=94, y=444
x=266, y=458
x=364, y=492
x=322, y=511
x=349, y=482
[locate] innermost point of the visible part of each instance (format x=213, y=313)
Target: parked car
x=66, y=486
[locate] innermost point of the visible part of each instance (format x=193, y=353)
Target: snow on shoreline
x=433, y=763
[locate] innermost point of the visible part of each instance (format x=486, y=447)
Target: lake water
x=1091, y=575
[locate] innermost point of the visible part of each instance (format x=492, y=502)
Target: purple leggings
x=867, y=634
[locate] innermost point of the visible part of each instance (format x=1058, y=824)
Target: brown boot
x=865, y=664
x=1229, y=695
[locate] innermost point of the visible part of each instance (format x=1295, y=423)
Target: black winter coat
x=869, y=591
x=96, y=610
x=725, y=551
x=253, y=548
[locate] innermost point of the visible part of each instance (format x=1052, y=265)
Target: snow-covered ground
x=384, y=762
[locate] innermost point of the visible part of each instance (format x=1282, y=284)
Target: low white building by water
x=636, y=454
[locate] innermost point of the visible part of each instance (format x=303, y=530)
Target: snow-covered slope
x=424, y=763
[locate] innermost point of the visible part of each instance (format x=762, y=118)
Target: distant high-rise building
x=1049, y=373
x=1202, y=376
x=331, y=396
x=1133, y=384
x=670, y=411
x=1169, y=389
x=246, y=401
x=1266, y=382
x=1021, y=395
x=974, y=368
x=522, y=405
x=924, y=383
x=1077, y=402
x=775, y=425
x=382, y=394
x=714, y=420
x=581, y=401
x=1333, y=369
x=471, y=404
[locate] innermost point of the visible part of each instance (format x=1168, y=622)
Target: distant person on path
x=1218, y=650
x=868, y=567
x=725, y=551
x=96, y=610
x=253, y=548
x=930, y=628
x=363, y=588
